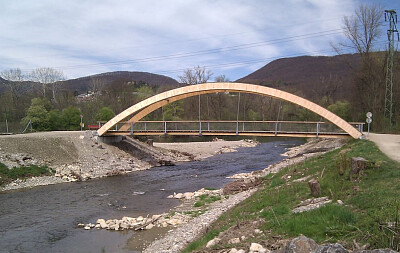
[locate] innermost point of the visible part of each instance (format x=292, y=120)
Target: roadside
x=388, y=144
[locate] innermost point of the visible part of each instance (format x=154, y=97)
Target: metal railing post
x=208, y=126
x=145, y=126
x=317, y=129
x=6, y=125
x=131, y=128
x=199, y=128
x=116, y=127
x=237, y=128
x=243, y=126
x=165, y=128
x=276, y=128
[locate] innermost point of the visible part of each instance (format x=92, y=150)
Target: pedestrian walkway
x=388, y=144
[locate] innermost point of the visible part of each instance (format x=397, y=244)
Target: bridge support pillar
x=110, y=139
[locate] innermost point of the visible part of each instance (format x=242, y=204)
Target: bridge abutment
x=110, y=139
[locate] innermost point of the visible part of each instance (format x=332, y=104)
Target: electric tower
x=391, y=16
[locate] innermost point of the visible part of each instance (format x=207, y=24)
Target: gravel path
x=388, y=144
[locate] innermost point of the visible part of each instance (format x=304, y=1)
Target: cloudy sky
x=231, y=37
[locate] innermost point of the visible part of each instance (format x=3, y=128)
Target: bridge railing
x=208, y=126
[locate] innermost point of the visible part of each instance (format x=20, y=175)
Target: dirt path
x=388, y=144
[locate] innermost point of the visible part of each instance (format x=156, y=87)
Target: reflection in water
x=44, y=219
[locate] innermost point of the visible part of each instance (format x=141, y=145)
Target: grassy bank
x=8, y=175
x=370, y=202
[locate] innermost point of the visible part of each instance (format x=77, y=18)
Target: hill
x=83, y=84
x=313, y=76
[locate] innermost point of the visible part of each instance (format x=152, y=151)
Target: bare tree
x=96, y=84
x=363, y=28
x=362, y=31
x=196, y=75
x=48, y=78
x=15, y=80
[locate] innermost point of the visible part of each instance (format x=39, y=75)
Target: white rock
x=179, y=196
x=150, y=226
x=87, y=227
x=241, y=251
x=188, y=195
x=81, y=137
x=234, y=240
x=140, y=218
x=81, y=225
x=155, y=216
x=164, y=224
x=243, y=238
x=213, y=242
x=255, y=247
x=340, y=202
x=257, y=231
x=233, y=250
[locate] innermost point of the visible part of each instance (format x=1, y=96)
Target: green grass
x=206, y=199
x=8, y=175
x=369, y=200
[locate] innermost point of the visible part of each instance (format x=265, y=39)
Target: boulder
x=213, y=242
x=255, y=247
x=188, y=195
x=300, y=244
x=358, y=164
x=140, y=218
x=331, y=248
x=179, y=196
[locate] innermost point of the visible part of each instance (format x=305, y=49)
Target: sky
x=230, y=37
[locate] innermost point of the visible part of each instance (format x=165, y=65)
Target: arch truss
x=136, y=112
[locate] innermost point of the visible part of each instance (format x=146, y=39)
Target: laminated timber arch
x=141, y=109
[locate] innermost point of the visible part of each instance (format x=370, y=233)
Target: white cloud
x=78, y=33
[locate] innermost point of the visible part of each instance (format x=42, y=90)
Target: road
x=388, y=144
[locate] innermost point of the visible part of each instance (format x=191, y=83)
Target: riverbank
x=80, y=156
x=352, y=214
x=179, y=238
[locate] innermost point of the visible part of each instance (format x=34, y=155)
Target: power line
x=204, y=52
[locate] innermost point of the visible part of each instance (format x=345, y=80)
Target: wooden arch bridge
x=128, y=122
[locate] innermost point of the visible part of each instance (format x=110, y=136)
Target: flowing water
x=44, y=219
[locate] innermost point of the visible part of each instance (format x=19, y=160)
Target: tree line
x=40, y=98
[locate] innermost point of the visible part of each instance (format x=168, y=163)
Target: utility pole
x=391, y=16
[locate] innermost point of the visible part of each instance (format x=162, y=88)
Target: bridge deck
x=233, y=128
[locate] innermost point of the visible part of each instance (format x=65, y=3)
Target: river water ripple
x=44, y=219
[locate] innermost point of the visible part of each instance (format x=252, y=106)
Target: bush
x=71, y=117
x=105, y=114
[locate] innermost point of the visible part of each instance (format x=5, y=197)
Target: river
x=44, y=219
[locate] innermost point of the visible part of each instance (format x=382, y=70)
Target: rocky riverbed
x=80, y=156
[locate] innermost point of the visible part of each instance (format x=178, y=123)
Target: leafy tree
x=71, y=118
x=37, y=114
x=55, y=120
x=173, y=111
x=342, y=109
x=144, y=92
x=105, y=114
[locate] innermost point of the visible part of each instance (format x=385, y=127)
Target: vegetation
x=7, y=175
x=370, y=204
x=206, y=199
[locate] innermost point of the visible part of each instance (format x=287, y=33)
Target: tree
x=173, y=111
x=105, y=114
x=363, y=30
x=15, y=80
x=193, y=76
x=48, y=78
x=342, y=109
x=37, y=114
x=96, y=84
x=56, y=121
x=71, y=118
